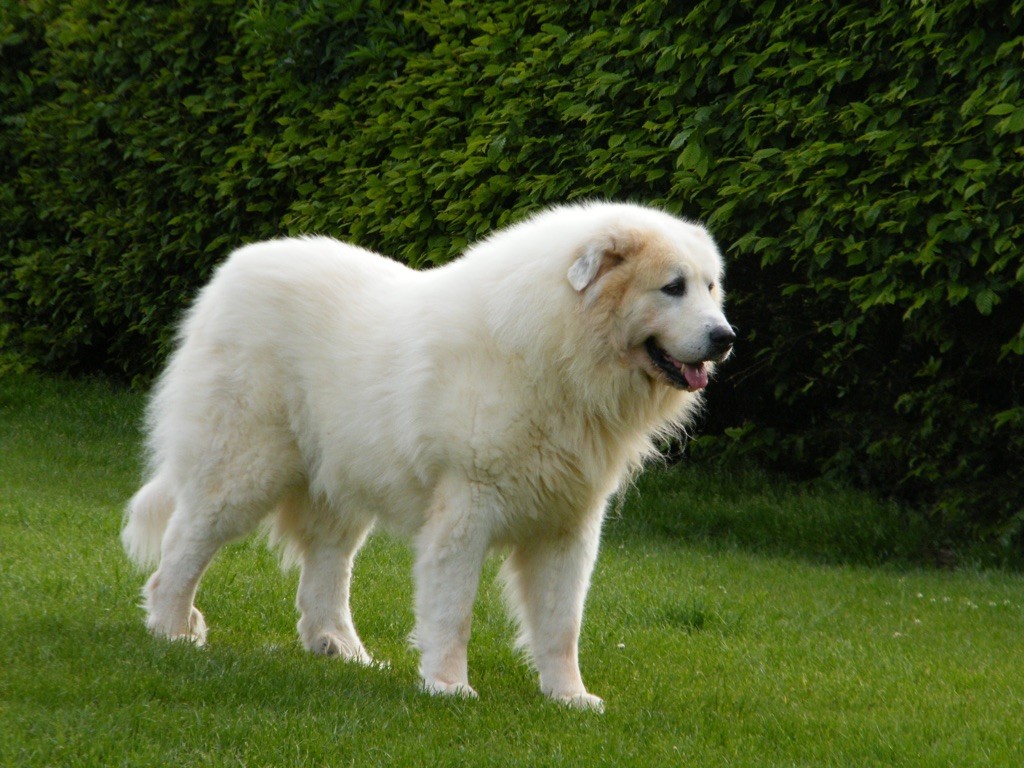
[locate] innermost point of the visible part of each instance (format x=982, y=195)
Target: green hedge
x=861, y=164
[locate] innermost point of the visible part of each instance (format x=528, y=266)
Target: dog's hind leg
x=326, y=552
x=189, y=543
x=211, y=511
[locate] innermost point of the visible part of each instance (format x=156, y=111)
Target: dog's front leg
x=450, y=550
x=547, y=584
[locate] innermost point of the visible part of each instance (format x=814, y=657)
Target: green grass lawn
x=732, y=621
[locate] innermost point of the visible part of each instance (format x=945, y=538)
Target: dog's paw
x=582, y=701
x=456, y=690
x=345, y=648
x=194, y=630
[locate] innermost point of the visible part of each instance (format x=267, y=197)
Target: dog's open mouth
x=691, y=377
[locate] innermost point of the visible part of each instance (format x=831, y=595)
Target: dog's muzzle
x=720, y=342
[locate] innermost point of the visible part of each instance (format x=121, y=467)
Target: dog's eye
x=676, y=288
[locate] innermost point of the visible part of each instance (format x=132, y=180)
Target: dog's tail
x=145, y=521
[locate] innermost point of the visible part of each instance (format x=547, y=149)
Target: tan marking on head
x=642, y=260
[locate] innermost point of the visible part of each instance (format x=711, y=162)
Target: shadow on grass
x=111, y=663
x=817, y=522
x=83, y=692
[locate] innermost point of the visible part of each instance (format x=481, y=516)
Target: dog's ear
x=596, y=259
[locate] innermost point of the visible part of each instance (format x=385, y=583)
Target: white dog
x=497, y=401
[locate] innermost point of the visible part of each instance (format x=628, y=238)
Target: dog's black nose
x=722, y=339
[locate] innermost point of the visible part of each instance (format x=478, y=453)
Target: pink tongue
x=696, y=376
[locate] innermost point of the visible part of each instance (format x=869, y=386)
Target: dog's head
x=656, y=282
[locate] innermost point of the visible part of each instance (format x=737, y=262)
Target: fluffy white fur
x=497, y=401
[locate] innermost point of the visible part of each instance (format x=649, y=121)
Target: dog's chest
x=554, y=470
